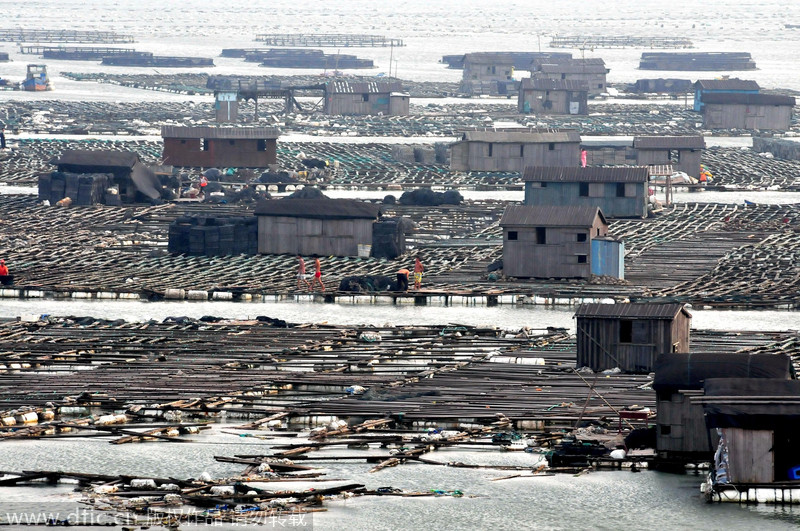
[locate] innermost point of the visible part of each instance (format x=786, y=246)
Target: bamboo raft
x=592, y=41
x=77, y=36
x=331, y=40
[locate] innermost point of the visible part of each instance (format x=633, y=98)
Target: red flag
x=583, y=158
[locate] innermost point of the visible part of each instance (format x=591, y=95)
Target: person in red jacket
x=3, y=268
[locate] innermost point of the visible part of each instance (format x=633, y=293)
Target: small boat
x=36, y=79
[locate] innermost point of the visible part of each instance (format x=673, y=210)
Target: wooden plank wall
x=750, y=456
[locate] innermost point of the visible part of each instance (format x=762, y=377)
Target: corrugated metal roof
x=594, y=61
x=689, y=371
x=499, y=137
x=226, y=133
x=727, y=84
x=366, y=87
x=738, y=98
x=544, y=83
x=669, y=142
x=550, y=216
x=644, y=310
x=489, y=57
x=596, y=174
x=573, y=68
x=82, y=157
x=318, y=208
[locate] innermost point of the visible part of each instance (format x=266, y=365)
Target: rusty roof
x=726, y=84
x=669, y=142
x=642, y=310
x=526, y=137
x=317, y=208
x=551, y=216
x=225, y=133
x=740, y=98
x=85, y=157
x=364, y=87
x=544, y=83
x=594, y=174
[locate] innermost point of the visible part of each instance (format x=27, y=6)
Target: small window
x=625, y=331
x=546, y=92
x=490, y=149
x=232, y=142
x=581, y=258
x=600, y=86
x=620, y=189
x=522, y=150
x=563, y=76
x=183, y=141
x=541, y=235
x=551, y=146
x=204, y=143
x=261, y=145
x=544, y=185
x=512, y=235
x=666, y=429
x=581, y=237
x=584, y=189
x=365, y=97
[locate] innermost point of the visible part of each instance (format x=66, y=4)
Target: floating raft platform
x=330, y=40
x=303, y=58
x=74, y=53
x=700, y=61
x=522, y=60
x=148, y=59
x=30, y=35
x=590, y=41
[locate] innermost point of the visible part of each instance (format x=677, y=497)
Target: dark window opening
x=365, y=97
x=581, y=258
x=582, y=237
x=546, y=92
x=666, y=429
x=563, y=76
x=512, y=235
x=261, y=145
x=583, y=189
x=541, y=235
x=204, y=143
x=625, y=331
x=232, y=142
x=522, y=150
x=183, y=141
x=490, y=149
x=600, y=85
x=544, y=185
x=620, y=189
x=551, y=146
x=598, y=231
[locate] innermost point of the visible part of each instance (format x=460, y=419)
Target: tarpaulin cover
x=688, y=371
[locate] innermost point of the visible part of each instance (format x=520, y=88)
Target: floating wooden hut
x=747, y=111
x=592, y=71
x=630, y=336
x=366, y=98
x=325, y=227
x=240, y=147
x=550, y=241
x=699, y=61
x=514, y=150
x=722, y=86
x=552, y=96
x=681, y=152
x=620, y=192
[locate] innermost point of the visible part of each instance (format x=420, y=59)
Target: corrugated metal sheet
x=644, y=310
x=543, y=83
x=573, y=68
x=726, y=84
x=550, y=216
x=689, y=371
x=669, y=142
x=738, y=98
x=225, y=133
x=498, y=137
x=616, y=174
x=317, y=208
x=369, y=87
x=83, y=157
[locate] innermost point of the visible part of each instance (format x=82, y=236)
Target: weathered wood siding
x=240, y=153
x=398, y=105
x=356, y=104
x=557, y=258
x=599, y=346
x=552, y=101
x=306, y=236
x=597, y=82
x=513, y=157
x=688, y=159
x=750, y=455
x=604, y=195
x=681, y=427
x=482, y=71
x=734, y=116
